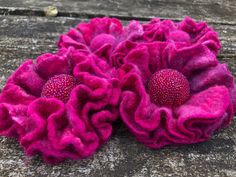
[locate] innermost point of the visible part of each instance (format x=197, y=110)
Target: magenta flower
x=162, y=78
x=174, y=90
x=100, y=36
x=62, y=106
x=187, y=31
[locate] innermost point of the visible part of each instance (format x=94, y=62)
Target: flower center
x=59, y=86
x=168, y=87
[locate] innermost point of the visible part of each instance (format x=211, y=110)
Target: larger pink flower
x=174, y=92
x=62, y=106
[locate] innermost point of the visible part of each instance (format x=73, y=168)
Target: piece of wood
x=122, y=156
x=27, y=37
x=215, y=11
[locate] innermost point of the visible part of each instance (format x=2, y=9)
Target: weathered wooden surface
x=25, y=36
x=217, y=11
x=123, y=157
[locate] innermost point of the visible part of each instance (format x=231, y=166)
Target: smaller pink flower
x=62, y=106
x=100, y=36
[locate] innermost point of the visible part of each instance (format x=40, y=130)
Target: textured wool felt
x=48, y=126
x=190, y=48
x=112, y=65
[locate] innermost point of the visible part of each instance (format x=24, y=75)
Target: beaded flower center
x=59, y=86
x=168, y=87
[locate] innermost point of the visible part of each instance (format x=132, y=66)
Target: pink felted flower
x=100, y=36
x=162, y=77
x=174, y=90
x=187, y=31
x=183, y=34
x=61, y=106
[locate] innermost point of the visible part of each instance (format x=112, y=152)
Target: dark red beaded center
x=168, y=87
x=59, y=86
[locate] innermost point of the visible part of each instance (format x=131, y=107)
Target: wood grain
x=215, y=11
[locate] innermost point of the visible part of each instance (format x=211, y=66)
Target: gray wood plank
x=122, y=156
x=26, y=37
x=215, y=11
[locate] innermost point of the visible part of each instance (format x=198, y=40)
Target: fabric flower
x=174, y=92
x=162, y=78
x=100, y=36
x=61, y=106
x=187, y=31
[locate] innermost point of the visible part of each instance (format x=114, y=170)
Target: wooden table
x=25, y=33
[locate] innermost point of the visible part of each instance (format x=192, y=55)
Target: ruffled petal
x=96, y=97
x=103, y=44
x=133, y=31
x=178, y=36
x=98, y=26
x=72, y=39
x=13, y=94
x=135, y=104
x=188, y=59
x=211, y=110
x=48, y=133
x=27, y=78
x=49, y=64
x=140, y=57
x=201, y=33
x=187, y=32
x=146, y=56
x=91, y=116
x=39, y=112
x=118, y=55
x=157, y=30
x=90, y=64
x=99, y=36
x=218, y=75
x=6, y=122
x=12, y=120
